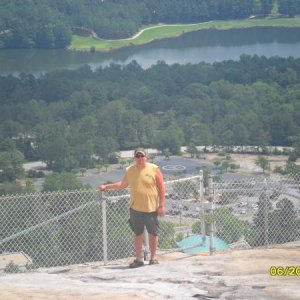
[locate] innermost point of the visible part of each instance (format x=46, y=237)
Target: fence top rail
x=182, y=179
x=113, y=198
x=48, y=193
x=93, y=191
x=169, y=182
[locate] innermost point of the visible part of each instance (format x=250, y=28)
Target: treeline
x=49, y=24
x=72, y=118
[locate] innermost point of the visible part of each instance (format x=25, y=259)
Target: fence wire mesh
x=71, y=227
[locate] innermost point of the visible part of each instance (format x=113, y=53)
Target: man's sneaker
x=153, y=262
x=136, y=264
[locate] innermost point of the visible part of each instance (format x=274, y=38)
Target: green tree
x=81, y=139
x=62, y=35
x=171, y=138
x=284, y=224
x=8, y=145
x=229, y=227
x=192, y=149
x=167, y=234
x=225, y=165
x=104, y=146
x=62, y=181
x=53, y=146
x=261, y=219
x=45, y=37
x=263, y=6
x=133, y=132
x=288, y=7
x=11, y=165
x=262, y=162
x=122, y=162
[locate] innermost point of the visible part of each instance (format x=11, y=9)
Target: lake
x=201, y=46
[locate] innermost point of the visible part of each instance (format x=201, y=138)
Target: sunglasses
x=139, y=155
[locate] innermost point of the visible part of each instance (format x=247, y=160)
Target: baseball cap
x=139, y=151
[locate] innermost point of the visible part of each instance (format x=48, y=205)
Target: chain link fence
x=71, y=227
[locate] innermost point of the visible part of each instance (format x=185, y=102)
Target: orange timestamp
x=284, y=271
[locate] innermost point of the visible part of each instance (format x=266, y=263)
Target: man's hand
x=160, y=211
x=102, y=188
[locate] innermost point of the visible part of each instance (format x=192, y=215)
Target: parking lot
x=181, y=166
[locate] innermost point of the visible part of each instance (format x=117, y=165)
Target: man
x=147, y=201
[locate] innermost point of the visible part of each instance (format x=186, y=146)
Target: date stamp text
x=284, y=271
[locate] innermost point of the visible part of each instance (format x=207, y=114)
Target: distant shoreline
x=163, y=31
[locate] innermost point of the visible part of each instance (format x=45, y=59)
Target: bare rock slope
x=234, y=274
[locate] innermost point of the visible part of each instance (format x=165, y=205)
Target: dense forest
x=67, y=118
x=49, y=24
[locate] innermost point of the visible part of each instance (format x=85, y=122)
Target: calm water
x=208, y=46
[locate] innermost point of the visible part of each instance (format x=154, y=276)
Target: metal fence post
x=266, y=213
x=202, y=215
x=104, y=229
x=212, y=217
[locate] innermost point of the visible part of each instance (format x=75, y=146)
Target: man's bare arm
x=161, y=192
x=115, y=186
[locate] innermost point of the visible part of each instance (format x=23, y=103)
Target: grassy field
x=148, y=34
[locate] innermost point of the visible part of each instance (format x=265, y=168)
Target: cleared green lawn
x=165, y=31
